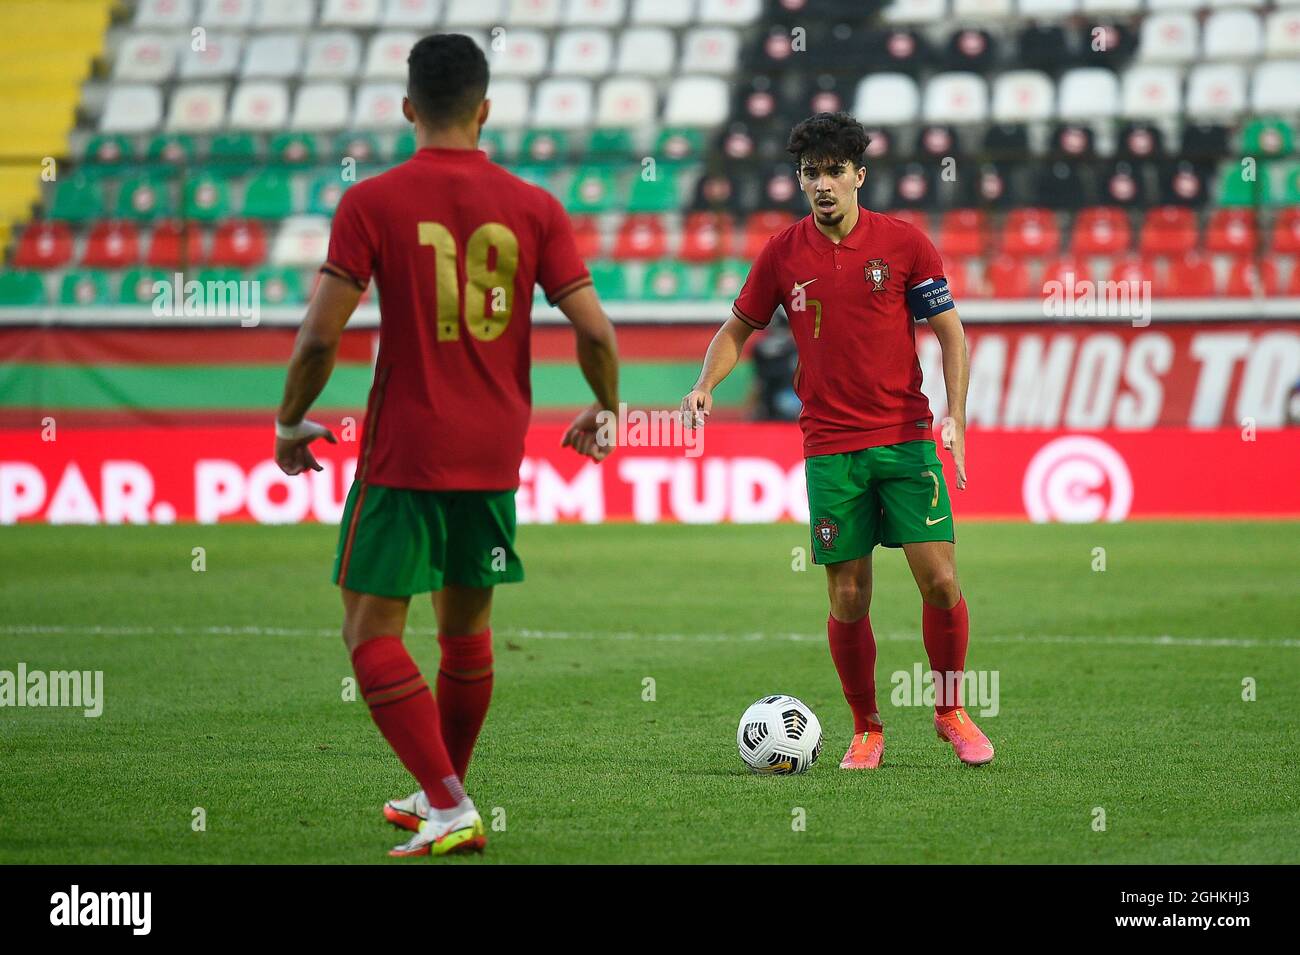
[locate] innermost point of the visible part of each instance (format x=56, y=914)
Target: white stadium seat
x=197, y=108
x=510, y=101
x=1232, y=35
x=563, y=103
x=522, y=53
x=473, y=13
x=982, y=9
x=321, y=106
x=887, y=98
x=260, y=104
x=277, y=55
x=131, y=109
x=1216, y=91
x=302, y=240
x=1282, y=34
x=1169, y=38
x=1152, y=92
x=283, y=14
x=594, y=13
x=955, y=98
x=146, y=57
x=387, y=53
x=1163, y=5
x=164, y=13
x=217, y=60
x=916, y=11
x=226, y=14
x=696, y=101
x=1254, y=4
x=1276, y=87
x=334, y=55
x=350, y=13
x=1023, y=96
x=533, y=13
x=1047, y=9
x=1089, y=92
x=646, y=50
x=379, y=106
x=734, y=12
x=668, y=13
x=710, y=50
x=1111, y=6
x=626, y=101
x=583, y=53
x=417, y=14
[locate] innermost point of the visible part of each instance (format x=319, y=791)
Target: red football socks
x=946, y=634
x=404, y=710
x=464, y=692
x=853, y=649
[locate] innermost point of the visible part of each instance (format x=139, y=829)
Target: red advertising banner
x=741, y=473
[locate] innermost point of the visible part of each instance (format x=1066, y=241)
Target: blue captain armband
x=929, y=299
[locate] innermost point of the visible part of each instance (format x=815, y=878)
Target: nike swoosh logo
x=799, y=285
x=930, y=523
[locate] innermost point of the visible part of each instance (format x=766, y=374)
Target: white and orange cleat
x=446, y=832
x=407, y=813
x=957, y=728
x=865, y=752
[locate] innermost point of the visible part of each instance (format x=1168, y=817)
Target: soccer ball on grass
x=779, y=736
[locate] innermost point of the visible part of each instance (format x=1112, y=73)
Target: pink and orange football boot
x=971, y=746
x=865, y=752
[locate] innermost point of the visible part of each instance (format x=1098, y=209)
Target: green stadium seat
x=362, y=147
x=293, y=149
x=495, y=144
x=171, y=148
x=137, y=285
x=725, y=278
x=537, y=175
x=403, y=146
x=217, y=275
x=1286, y=184
x=79, y=198
x=1267, y=137
x=22, y=289
x=109, y=151
x=268, y=195
x=610, y=144
x=1236, y=190
x=84, y=287
x=610, y=279
x=207, y=198
x=655, y=195
x=145, y=197
x=324, y=193
x=593, y=189
x=544, y=146
x=668, y=281
x=233, y=149
x=281, y=287
x=678, y=142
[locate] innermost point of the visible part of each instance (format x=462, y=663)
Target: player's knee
x=850, y=600
x=939, y=587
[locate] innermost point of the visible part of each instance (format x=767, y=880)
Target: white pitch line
x=1165, y=640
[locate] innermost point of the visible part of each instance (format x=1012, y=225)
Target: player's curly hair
x=836, y=136
x=447, y=78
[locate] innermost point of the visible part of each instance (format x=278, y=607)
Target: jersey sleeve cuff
x=735, y=310
x=568, y=288
x=329, y=268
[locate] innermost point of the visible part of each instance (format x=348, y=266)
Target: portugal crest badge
x=877, y=272
x=826, y=531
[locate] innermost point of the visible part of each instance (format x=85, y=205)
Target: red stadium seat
x=1189, y=276
x=1252, y=278
x=240, y=243
x=912, y=217
x=706, y=236
x=165, y=249
x=1100, y=231
x=1007, y=277
x=112, y=245
x=963, y=232
x=1286, y=232
x=641, y=236
x=760, y=227
x=1232, y=230
x=44, y=245
x=1031, y=232
x=586, y=234
x=962, y=282
x=1168, y=230
x=1135, y=268
x=1293, y=283
x=1067, y=270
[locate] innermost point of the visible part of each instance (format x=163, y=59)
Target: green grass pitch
x=1120, y=690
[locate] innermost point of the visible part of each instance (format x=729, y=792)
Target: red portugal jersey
x=858, y=377
x=455, y=245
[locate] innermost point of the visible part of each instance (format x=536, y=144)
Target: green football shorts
x=891, y=495
x=395, y=542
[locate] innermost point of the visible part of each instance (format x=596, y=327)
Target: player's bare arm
x=948, y=329
x=719, y=361
x=598, y=358
x=314, y=351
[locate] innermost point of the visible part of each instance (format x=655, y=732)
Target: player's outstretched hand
x=587, y=437
x=292, y=446
x=696, y=408
x=954, y=440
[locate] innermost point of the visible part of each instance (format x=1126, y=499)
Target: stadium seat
x=324, y=193
x=1136, y=269
x=1274, y=87
x=696, y=101
x=44, y=245
x=1286, y=232
x=963, y=232
x=21, y=289
x=197, y=108
x=888, y=98
x=522, y=53
x=144, y=197
x=1030, y=232
x=1216, y=90
x=1152, y=92
x=238, y=243
x=710, y=50
x=260, y=105
x=955, y=98
x=1170, y=37
x=583, y=53
x=206, y=198
x=545, y=146
x=592, y=189
x=164, y=13
x=115, y=150
x=509, y=102
x=217, y=59
x=284, y=14
x=421, y=15
x=982, y=10
x=706, y=236
x=112, y=245
x=602, y=13
x=1190, y=275
x=1232, y=35
x=1088, y=93
x=1067, y=270
x=177, y=149
x=1023, y=96
x=280, y=286
x=1249, y=277
x=724, y=279
x=587, y=237
x=1007, y=277
x=131, y=109
x=379, y=106
x=84, y=288
x=915, y=11
x=273, y=56
x=610, y=280
x=320, y=106
x=648, y=51
x=386, y=55
x=563, y=103
x=1267, y=137
x=666, y=281
x=78, y=198
x=145, y=58
x=238, y=149
x=760, y=227
x=350, y=13
x=1232, y=230
x=137, y=285
x=1282, y=33
x=659, y=193
x=268, y=195
x=303, y=241
x=640, y=236
x=332, y=56
x=1168, y=230
x=626, y=101
x=1100, y=231
x=678, y=143
x=963, y=279
x=473, y=13
x=174, y=245
x=913, y=217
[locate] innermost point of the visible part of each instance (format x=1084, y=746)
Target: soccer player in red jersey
x=851, y=282
x=455, y=245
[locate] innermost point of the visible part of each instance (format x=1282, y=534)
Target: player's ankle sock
x=946, y=633
x=464, y=692
x=405, y=712
x=853, y=650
